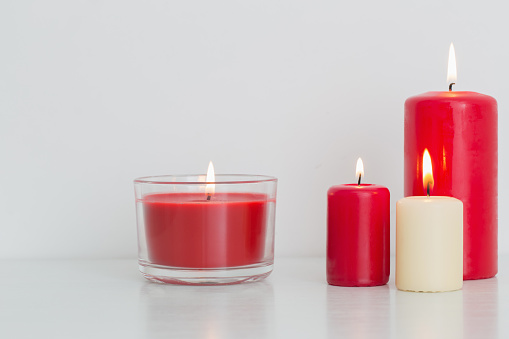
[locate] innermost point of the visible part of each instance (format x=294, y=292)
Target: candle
x=460, y=130
x=358, y=233
x=429, y=240
x=189, y=232
x=186, y=230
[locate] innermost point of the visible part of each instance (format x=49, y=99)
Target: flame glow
x=210, y=188
x=427, y=170
x=359, y=169
x=452, y=72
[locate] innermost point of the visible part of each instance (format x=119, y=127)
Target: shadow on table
x=358, y=312
x=208, y=311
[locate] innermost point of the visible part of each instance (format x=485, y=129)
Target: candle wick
x=208, y=197
x=450, y=86
x=428, y=190
x=359, y=182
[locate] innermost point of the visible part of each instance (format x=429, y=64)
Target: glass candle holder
x=195, y=232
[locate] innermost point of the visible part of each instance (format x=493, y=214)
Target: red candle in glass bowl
x=186, y=230
x=358, y=234
x=196, y=230
x=460, y=131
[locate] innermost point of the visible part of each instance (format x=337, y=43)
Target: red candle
x=187, y=230
x=460, y=131
x=358, y=235
x=194, y=229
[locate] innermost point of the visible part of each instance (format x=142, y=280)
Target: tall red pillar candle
x=358, y=235
x=460, y=131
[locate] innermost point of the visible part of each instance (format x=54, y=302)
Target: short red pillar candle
x=358, y=235
x=460, y=131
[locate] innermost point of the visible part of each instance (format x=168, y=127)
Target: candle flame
x=210, y=188
x=359, y=169
x=452, y=72
x=427, y=170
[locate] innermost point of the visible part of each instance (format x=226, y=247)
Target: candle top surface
x=361, y=186
x=358, y=189
x=452, y=95
x=201, y=198
x=431, y=199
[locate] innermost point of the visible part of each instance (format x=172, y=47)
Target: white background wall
x=96, y=93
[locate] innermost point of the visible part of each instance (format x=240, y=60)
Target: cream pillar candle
x=429, y=240
x=429, y=244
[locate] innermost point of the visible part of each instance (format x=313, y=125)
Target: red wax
x=460, y=131
x=358, y=235
x=186, y=230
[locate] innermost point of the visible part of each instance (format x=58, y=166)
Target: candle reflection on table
x=480, y=308
x=429, y=315
x=358, y=312
x=208, y=312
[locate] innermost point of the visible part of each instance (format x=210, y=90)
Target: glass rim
x=254, y=179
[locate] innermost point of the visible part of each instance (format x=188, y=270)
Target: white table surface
x=110, y=298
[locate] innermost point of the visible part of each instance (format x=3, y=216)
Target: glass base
x=207, y=276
